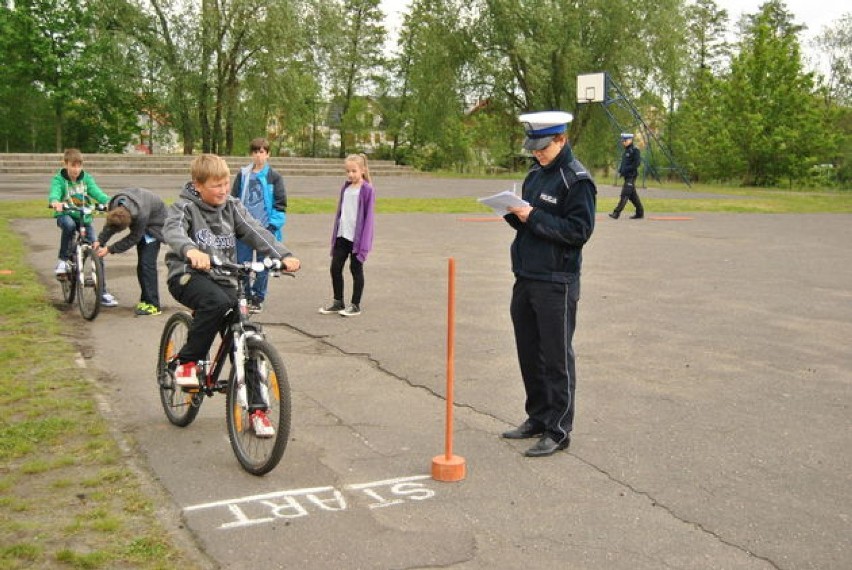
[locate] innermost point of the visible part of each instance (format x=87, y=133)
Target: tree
x=62, y=54
x=835, y=43
x=434, y=51
x=356, y=58
x=768, y=101
x=698, y=117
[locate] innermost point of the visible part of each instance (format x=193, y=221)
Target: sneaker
x=352, y=310
x=335, y=307
x=255, y=306
x=186, y=375
x=61, y=267
x=261, y=424
x=107, y=300
x=143, y=309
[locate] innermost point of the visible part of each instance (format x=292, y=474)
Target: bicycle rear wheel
x=90, y=278
x=266, y=380
x=180, y=407
x=68, y=281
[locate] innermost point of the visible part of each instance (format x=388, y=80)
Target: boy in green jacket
x=72, y=185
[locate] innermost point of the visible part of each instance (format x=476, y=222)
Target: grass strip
x=67, y=497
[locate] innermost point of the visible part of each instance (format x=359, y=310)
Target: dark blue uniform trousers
x=544, y=315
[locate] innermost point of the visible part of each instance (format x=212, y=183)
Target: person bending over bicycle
x=203, y=222
x=77, y=187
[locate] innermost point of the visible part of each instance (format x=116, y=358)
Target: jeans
x=257, y=286
x=210, y=302
x=146, y=271
x=68, y=226
x=342, y=250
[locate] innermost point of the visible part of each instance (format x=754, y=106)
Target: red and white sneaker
x=186, y=375
x=261, y=424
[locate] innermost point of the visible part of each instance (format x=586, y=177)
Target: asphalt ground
x=713, y=425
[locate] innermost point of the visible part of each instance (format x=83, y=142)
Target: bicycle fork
x=259, y=369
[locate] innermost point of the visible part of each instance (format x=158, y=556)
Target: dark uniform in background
x=629, y=169
x=546, y=259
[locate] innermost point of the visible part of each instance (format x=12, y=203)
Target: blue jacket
x=274, y=195
x=548, y=247
x=630, y=162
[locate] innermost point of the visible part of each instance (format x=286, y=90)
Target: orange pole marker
x=449, y=467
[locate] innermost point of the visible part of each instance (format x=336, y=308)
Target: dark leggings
x=342, y=250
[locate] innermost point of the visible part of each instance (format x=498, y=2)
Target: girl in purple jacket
x=352, y=236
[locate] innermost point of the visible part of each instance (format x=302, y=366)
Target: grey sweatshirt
x=192, y=223
x=147, y=212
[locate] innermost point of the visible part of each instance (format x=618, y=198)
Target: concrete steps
x=104, y=164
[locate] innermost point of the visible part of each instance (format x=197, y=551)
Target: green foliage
x=66, y=82
x=315, y=78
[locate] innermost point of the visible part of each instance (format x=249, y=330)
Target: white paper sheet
x=502, y=200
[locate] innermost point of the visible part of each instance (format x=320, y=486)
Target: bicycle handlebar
x=273, y=266
x=87, y=209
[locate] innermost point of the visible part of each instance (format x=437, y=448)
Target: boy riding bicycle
x=206, y=221
x=75, y=186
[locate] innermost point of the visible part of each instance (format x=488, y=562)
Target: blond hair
x=72, y=156
x=361, y=160
x=207, y=166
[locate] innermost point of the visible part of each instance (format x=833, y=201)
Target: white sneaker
x=261, y=424
x=61, y=267
x=107, y=300
x=186, y=375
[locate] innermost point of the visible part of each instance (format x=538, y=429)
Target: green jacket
x=79, y=192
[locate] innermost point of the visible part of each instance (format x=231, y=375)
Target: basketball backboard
x=591, y=88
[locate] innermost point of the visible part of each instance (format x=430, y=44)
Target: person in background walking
x=352, y=235
x=629, y=169
x=261, y=190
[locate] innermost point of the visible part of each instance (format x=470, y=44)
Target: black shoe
x=637, y=216
x=334, y=308
x=614, y=216
x=547, y=446
x=524, y=431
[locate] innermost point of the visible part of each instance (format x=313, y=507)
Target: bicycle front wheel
x=266, y=386
x=90, y=279
x=180, y=407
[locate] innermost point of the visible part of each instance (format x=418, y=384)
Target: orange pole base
x=448, y=469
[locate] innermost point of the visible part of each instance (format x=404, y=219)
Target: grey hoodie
x=147, y=213
x=192, y=223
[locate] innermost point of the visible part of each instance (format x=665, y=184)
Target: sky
x=815, y=14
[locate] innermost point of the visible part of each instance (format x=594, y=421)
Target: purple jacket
x=363, y=241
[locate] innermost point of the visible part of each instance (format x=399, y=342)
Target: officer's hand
x=522, y=212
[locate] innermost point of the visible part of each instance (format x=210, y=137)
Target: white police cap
x=625, y=136
x=540, y=127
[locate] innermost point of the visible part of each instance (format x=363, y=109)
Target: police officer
x=546, y=258
x=629, y=169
